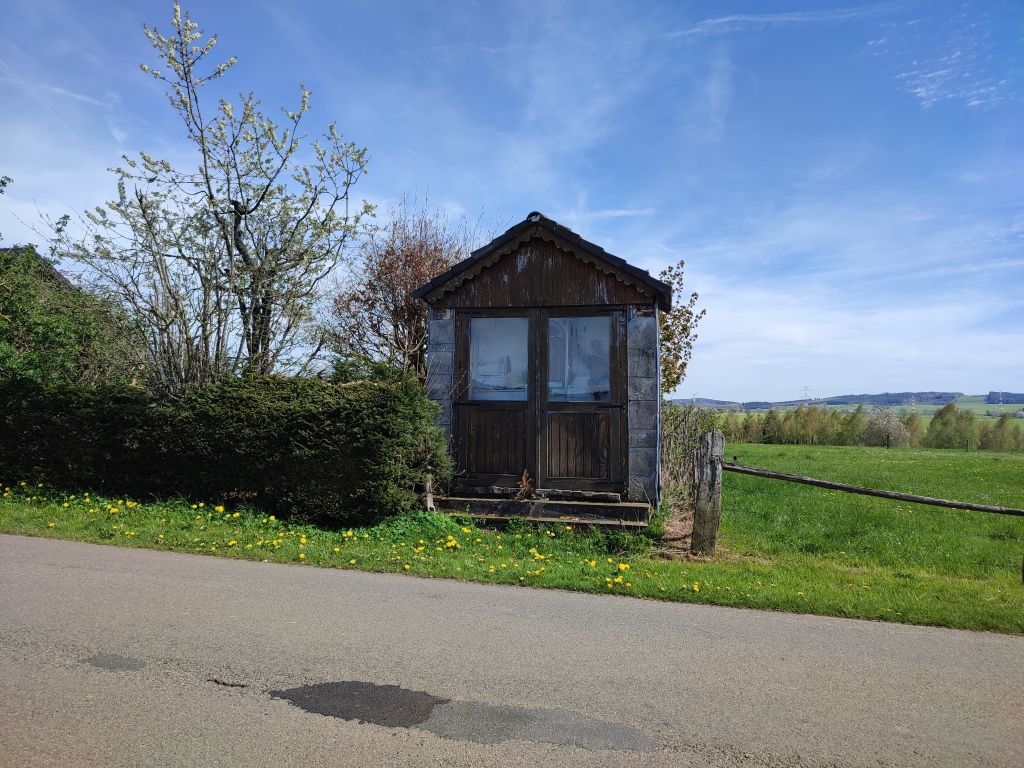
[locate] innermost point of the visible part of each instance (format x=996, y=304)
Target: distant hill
x=884, y=399
x=1008, y=397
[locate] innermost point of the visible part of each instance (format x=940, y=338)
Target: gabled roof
x=662, y=290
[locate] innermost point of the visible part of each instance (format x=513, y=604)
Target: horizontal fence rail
x=727, y=467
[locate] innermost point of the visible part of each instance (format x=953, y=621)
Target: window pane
x=578, y=359
x=498, y=358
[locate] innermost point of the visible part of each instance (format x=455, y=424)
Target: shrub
x=681, y=428
x=884, y=428
x=53, y=331
x=336, y=453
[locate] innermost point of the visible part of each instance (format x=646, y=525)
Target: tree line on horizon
x=950, y=427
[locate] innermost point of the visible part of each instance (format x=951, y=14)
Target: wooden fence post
x=707, y=507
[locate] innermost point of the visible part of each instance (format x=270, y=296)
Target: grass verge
x=783, y=547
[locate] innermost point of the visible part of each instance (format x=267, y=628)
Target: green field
x=976, y=404
x=782, y=546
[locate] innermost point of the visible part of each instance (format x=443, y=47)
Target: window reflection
x=578, y=359
x=498, y=358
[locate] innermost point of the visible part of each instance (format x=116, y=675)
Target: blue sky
x=844, y=181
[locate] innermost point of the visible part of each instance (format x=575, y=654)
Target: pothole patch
x=396, y=707
x=114, y=662
x=389, y=705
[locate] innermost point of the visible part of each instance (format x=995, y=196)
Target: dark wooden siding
x=497, y=442
x=540, y=274
x=579, y=445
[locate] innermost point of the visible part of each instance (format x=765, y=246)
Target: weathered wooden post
x=707, y=508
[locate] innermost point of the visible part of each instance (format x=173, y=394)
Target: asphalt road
x=121, y=657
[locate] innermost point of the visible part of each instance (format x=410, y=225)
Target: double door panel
x=541, y=392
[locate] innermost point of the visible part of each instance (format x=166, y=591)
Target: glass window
x=498, y=358
x=578, y=359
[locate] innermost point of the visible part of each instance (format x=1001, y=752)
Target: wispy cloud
x=617, y=214
x=35, y=94
x=737, y=21
x=55, y=89
x=954, y=56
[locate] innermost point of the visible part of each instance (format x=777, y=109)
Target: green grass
x=782, y=546
x=977, y=405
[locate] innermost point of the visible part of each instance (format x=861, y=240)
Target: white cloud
x=737, y=21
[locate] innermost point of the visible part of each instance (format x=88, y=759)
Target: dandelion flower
x=232, y=543
x=52, y=524
x=272, y=517
x=218, y=508
x=195, y=506
x=337, y=549
x=235, y=515
x=201, y=504
x=407, y=566
x=351, y=562
x=65, y=503
x=302, y=557
x=610, y=560
x=623, y=567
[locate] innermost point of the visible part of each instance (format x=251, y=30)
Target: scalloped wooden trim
x=541, y=233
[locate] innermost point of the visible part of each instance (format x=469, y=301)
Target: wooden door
x=580, y=405
x=494, y=410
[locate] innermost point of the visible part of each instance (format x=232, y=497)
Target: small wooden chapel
x=543, y=356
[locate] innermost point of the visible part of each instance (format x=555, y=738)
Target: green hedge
x=342, y=453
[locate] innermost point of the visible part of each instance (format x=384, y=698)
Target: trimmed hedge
x=310, y=449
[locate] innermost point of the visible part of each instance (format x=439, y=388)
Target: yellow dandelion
x=407, y=566
x=623, y=567
x=351, y=562
x=65, y=503
x=201, y=504
x=337, y=549
x=232, y=543
x=218, y=508
x=610, y=560
x=52, y=524
x=302, y=557
x=272, y=517
x=235, y=515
